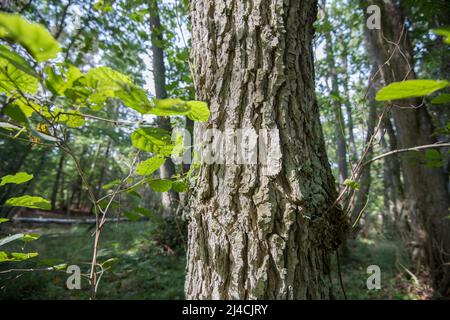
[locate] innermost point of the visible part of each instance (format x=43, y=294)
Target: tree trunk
x=104, y=166
x=341, y=145
x=365, y=178
x=169, y=199
x=254, y=235
x=58, y=178
x=426, y=191
x=348, y=107
x=394, y=189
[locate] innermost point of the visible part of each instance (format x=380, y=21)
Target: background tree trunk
x=348, y=108
x=341, y=149
x=365, y=178
x=59, y=174
x=425, y=188
x=255, y=236
x=169, y=199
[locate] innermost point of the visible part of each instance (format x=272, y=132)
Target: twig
x=418, y=148
x=98, y=229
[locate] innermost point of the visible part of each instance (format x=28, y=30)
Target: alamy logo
x=374, y=20
x=245, y=146
x=74, y=280
x=374, y=280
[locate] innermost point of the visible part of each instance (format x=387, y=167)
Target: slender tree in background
x=58, y=178
x=426, y=190
x=169, y=199
x=251, y=235
x=365, y=180
x=394, y=194
x=348, y=105
x=341, y=143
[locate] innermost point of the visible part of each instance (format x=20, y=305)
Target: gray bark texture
x=255, y=236
x=425, y=188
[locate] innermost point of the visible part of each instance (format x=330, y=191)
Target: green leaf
x=109, y=263
x=441, y=99
x=149, y=166
x=135, y=98
x=29, y=202
x=445, y=32
x=180, y=186
x=433, y=154
x=104, y=203
x=352, y=184
x=32, y=36
x=71, y=75
x=111, y=184
x=410, y=89
x=169, y=107
x=16, y=60
x=155, y=140
x=55, y=82
x=16, y=256
x=100, y=84
x=100, y=5
x=2, y=220
x=18, y=178
x=194, y=110
x=11, y=238
x=9, y=126
x=16, y=114
x=134, y=194
x=14, y=80
x=179, y=147
x=27, y=107
x=60, y=267
x=30, y=237
x=199, y=111
x=19, y=236
x=74, y=119
x=434, y=159
x=160, y=185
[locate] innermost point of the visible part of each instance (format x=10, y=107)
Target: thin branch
x=26, y=140
x=114, y=122
x=418, y=148
x=98, y=229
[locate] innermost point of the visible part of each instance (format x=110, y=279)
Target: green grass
x=147, y=269
x=392, y=258
x=144, y=269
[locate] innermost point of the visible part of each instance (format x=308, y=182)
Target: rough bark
x=255, y=236
x=169, y=199
x=425, y=188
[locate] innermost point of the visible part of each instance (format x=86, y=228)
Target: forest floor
x=401, y=279
x=144, y=268
x=148, y=269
